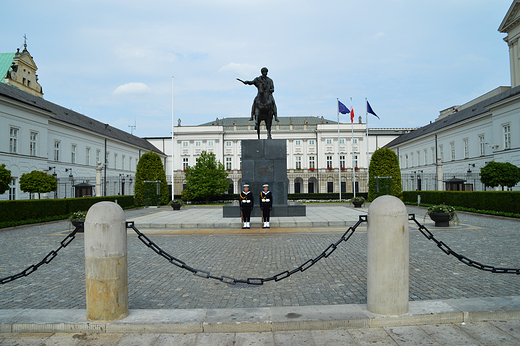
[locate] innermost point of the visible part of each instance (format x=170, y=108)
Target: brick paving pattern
x=338, y=279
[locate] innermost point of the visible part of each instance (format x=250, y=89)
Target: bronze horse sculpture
x=264, y=106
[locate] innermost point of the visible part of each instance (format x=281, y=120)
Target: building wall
x=303, y=141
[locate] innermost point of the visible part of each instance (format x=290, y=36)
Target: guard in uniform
x=266, y=204
x=246, y=206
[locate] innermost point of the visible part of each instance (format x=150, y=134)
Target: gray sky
x=114, y=60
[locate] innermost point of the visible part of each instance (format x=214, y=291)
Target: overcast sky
x=114, y=60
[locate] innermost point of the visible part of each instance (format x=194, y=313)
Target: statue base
x=264, y=161
x=290, y=209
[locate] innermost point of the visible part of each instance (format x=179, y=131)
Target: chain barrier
x=46, y=260
x=467, y=261
x=249, y=281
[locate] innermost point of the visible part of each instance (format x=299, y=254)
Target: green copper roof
x=6, y=59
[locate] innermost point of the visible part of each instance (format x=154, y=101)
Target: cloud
x=242, y=69
x=132, y=88
x=379, y=34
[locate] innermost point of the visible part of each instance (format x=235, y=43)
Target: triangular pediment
x=512, y=18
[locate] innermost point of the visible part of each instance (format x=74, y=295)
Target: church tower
x=21, y=73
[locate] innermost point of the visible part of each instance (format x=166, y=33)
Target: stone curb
x=269, y=319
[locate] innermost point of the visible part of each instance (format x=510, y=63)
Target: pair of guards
x=247, y=203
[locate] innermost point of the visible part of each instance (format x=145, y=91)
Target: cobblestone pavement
x=481, y=333
x=338, y=279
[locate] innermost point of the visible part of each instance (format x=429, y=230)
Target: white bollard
x=106, y=263
x=388, y=257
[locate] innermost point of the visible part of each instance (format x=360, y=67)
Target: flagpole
x=339, y=157
x=353, y=167
x=173, y=152
x=366, y=115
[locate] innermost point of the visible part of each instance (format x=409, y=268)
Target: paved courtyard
x=338, y=279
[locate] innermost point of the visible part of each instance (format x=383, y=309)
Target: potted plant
x=329, y=168
x=77, y=219
x=176, y=204
x=442, y=214
x=343, y=168
x=358, y=201
x=311, y=169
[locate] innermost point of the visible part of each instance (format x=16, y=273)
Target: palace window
x=425, y=156
x=98, y=156
x=342, y=141
x=342, y=161
x=198, y=143
x=185, y=143
x=311, y=162
x=329, y=161
x=311, y=141
x=298, y=162
x=482, y=145
x=57, y=150
x=13, y=140
x=329, y=141
x=33, y=144
x=441, y=152
x=465, y=143
x=123, y=162
x=452, y=150
x=73, y=153
x=184, y=163
x=211, y=143
x=298, y=142
x=355, y=161
x=228, y=163
x=506, y=130
x=228, y=143
x=87, y=156
x=12, y=190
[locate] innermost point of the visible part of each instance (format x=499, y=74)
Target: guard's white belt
x=266, y=200
x=246, y=201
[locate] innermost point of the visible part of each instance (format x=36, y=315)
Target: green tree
x=500, y=174
x=384, y=163
x=5, y=178
x=206, y=179
x=37, y=182
x=150, y=168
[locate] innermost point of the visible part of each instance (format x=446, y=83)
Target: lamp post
x=71, y=179
x=56, y=179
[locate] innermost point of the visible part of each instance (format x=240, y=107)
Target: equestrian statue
x=264, y=107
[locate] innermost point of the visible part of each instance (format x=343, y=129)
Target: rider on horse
x=264, y=84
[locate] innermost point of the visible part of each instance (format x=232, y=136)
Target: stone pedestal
x=264, y=161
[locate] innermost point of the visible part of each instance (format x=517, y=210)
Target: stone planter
x=358, y=204
x=78, y=223
x=176, y=206
x=440, y=219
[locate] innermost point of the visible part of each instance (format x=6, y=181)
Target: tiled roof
x=71, y=117
x=461, y=115
x=296, y=120
x=6, y=59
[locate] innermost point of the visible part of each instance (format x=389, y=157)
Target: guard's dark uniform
x=266, y=204
x=246, y=206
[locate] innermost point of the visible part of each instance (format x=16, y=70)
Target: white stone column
x=388, y=257
x=99, y=168
x=106, y=275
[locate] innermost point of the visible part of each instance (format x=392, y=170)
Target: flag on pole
x=371, y=111
x=342, y=108
x=351, y=112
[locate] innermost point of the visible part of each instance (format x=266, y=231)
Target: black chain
x=46, y=260
x=448, y=251
x=250, y=281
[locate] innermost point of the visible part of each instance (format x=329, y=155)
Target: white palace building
x=315, y=157
x=40, y=135
x=447, y=154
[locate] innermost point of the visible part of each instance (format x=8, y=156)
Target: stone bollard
x=388, y=257
x=105, y=263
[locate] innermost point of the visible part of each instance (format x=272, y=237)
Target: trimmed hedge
x=501, y=201
x=35, y=209
x=325, y=196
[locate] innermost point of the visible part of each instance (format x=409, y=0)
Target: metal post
x=106, y=276
x=388, y=257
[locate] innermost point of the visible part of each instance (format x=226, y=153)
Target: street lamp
x=71, y=179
